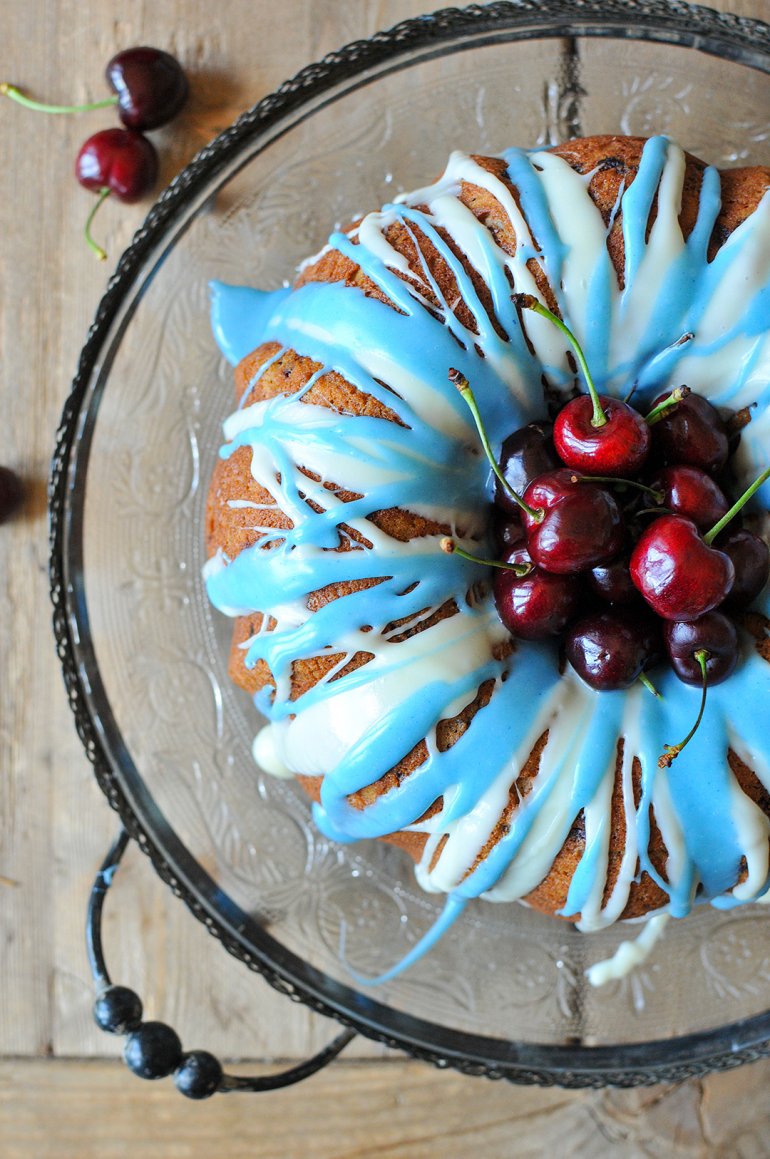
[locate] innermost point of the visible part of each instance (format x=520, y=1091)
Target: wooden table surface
x=62, y=1093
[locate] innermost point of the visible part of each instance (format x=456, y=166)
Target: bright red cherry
x=611, y=649
x=680, y=576
x=536, y=605
x=690, y=491
x=714, y=633
x=120, y=160
x=574, y=525
x=618, y=447
x=691, y=432
x=593, y=433
x=150, y=84
x=751, y=560
x=115, y=161
x=524, y=455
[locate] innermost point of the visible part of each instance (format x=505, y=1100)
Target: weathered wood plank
x=49, y=288
x=58, y=1109
x=54, y=824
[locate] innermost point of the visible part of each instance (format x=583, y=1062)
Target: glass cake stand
x=504, y=992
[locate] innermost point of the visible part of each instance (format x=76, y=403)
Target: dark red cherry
x=678, y=574
x=509, y=533
x=690, y=491
x=580, y=524
x=537, y=605
x=524, y=455
x=150, y=84
x=610, y=649
x=120, y=160
x=713, y=632
x=619, y=447
x=691, y=432
x=751, y=560
x=612, y=581
x=11, y=493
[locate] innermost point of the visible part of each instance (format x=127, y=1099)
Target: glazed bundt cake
x=391, y=687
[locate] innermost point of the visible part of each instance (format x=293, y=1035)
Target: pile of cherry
x=617, y=533
x=149, y=89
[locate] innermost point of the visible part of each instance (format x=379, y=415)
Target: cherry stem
x=8, y=90
x=529, y=302
x=658, y=412
x=740, y=419
x=657, y=495
x=97, y=249
x=710, y=536
x=450, y=547
x=672, y=751
x=461, y=382
x=648, y=684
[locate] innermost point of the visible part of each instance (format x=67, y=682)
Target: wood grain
x=49, y=289
x=93, y=1110
x=54, y=823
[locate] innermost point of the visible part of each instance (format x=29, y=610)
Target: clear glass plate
x=144, y=656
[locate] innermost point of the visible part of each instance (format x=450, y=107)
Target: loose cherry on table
x=149, y=89
x=119, y=162
x=150, y=86
x=11, y=493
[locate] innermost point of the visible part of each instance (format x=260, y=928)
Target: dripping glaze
x=353, y=730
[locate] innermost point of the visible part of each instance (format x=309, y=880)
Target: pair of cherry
x=149, y=89
x=606, y=524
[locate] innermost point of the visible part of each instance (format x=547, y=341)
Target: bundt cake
x=391, y=687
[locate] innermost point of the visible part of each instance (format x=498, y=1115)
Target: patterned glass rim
x=674, y=22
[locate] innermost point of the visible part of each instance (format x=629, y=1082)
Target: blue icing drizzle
x=239, y=316
x=637, y=203
x=429, y=462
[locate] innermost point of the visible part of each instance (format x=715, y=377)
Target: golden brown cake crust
x=613, y=162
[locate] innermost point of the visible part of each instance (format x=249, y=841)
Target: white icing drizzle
x=629, y=334
x=630, y=953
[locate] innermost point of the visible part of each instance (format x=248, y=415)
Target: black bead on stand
x=153, y=1050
